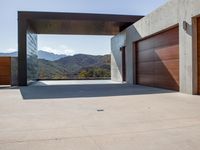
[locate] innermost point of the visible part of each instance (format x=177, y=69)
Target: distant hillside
x=79, y=66
x=13, y=54
x=41, y=55
x=77, y=62
x=49, y=56
x=94, y=72
x=51, y=70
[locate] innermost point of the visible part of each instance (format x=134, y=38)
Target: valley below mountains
x=79, y=66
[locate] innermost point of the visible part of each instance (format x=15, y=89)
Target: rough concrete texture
x=134, y=117
x=174, y=12
x=116, y=58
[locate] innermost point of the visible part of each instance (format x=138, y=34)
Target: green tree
x=83, y=74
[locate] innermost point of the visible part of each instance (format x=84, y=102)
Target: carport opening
x=31, y=24
x=74, y=57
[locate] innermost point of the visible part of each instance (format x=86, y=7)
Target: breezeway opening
x=31, y=24
x=74, y=57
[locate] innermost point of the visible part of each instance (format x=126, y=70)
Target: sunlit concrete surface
x=72, y=82
x=98, y=117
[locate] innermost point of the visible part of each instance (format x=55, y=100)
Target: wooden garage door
x=5, y=70
x=157, y=60
x=198, y=51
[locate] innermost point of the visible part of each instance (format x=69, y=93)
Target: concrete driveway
x=98, y=117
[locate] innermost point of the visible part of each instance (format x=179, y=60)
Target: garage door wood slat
x=146, y=56
x=164, y=39
x=167, y=53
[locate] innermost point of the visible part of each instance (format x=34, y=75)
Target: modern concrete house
x=161, y=49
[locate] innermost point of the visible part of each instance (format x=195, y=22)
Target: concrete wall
x=174, y=12
x=116, y=58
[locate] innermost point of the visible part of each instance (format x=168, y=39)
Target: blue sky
x=68, y=44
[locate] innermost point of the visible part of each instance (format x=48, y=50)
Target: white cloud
x=61, y=49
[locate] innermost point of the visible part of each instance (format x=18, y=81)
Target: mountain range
x=41, y=55
x=54, y=66
x=12, y=54
x=76, y=67
x=49, y=56
x=79, y=61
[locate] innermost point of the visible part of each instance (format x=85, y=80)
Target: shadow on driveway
x=83, y=91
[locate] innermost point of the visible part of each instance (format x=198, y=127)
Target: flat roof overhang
x=76, y=23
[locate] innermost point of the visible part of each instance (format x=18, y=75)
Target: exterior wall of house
x=27, y=53
x=175, y=12
x=116, y=61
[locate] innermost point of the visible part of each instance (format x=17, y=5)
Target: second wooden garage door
x=5, y=70
x=157, y=60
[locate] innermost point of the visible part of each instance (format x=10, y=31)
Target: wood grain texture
x=157, y=60
x=5, y=70
x=198, y=52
